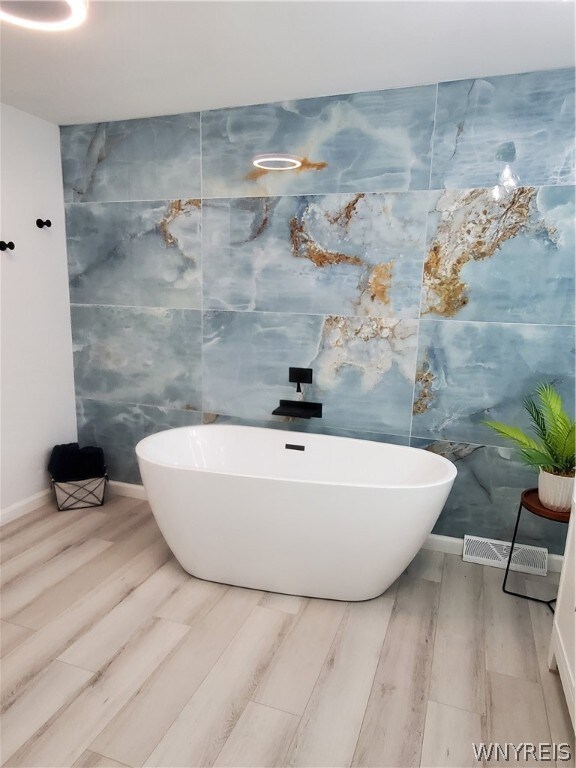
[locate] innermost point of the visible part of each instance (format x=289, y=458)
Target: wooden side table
x=529, y=500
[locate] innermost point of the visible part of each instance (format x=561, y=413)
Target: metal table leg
x=517, y=594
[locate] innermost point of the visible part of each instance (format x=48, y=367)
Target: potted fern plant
x=552, y=451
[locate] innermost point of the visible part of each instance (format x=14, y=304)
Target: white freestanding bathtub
x=292, y=512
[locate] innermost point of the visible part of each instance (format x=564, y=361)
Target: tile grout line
x=375, y=671
x=425, y=246
x=486, y=724
x=47, y=724
x=418, y=334
x=429, y=438
x=277, y=646
x=28, y=680
x=201, y=681
x=427, y=692
x=277, y=709
x=96, y=676
x=143, y=685
x=292, y=629
x=99, y=754
x=313, y=687
x=454, y=706
x=433, y=137
x=389, y=191
x=484, y=715
x=544, y=698
x=58, y=660
x=202, y=309
x=391, y=319
x=15, y=624
x=53, y=559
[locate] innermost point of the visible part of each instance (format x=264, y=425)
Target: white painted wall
x=37, y=381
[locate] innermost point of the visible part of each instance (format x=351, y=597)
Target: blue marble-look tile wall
x=424, y=302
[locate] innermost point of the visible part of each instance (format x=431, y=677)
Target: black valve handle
x=6, y=246
x=40, y=223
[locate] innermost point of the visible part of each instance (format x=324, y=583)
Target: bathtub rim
x=451, y=469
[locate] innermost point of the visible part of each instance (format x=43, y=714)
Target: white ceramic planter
x=555, y=492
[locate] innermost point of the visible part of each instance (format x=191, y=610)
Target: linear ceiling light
x=277, y=162
x=44, y=15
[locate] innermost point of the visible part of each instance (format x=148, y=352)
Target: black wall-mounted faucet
x=299, y=409
x=300, y=376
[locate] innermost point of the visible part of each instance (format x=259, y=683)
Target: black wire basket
x=78, y=494
x=79, y=476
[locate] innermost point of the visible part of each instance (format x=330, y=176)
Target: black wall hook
x=6, y=246
x=40, y=223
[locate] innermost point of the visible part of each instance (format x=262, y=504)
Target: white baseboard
x=26, y=505
x=454, y=546
x=448, y=544
x=115, y=488
x=555, y=563
x=132, y=490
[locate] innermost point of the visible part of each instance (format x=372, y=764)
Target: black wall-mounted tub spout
x=299, y=409
x=300, y=376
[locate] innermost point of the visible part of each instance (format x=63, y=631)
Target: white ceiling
x=138, y=58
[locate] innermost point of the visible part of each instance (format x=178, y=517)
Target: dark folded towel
x=70, y=462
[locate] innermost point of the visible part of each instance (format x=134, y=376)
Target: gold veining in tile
x=344, y=216
x=264, y=223
x=345, y=344
x=474, y=226
x=304, y=246
x=424, y=396
x=176, y=208
x=380, y=281
x=365, y=329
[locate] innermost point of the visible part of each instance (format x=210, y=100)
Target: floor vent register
x=525, y=558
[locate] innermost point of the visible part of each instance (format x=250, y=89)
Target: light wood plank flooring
x=113, y=656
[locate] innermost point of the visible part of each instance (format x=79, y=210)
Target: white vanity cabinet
x=562, y=653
